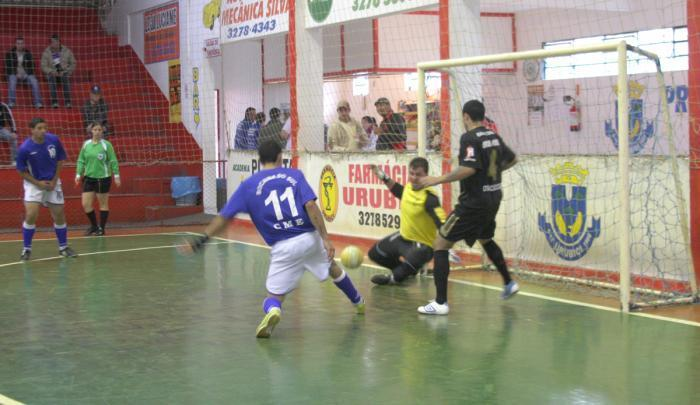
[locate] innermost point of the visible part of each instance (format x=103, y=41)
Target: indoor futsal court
x=131, y=321
x=511, y=190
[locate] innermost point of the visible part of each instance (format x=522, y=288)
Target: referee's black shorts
x=100, y=186
x=469, y=224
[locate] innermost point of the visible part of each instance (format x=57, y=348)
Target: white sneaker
x=433, y=308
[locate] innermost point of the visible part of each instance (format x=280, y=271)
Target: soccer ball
x=351, y=257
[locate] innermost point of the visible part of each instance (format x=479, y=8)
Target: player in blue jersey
x=283, y=208
x=39, y=162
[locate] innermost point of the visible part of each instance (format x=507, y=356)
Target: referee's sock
x=92, y=218
x=494, y=252
x=441, y=273
x=28, y=235
x=103, y=218
x=61, y=235
x=345, y=284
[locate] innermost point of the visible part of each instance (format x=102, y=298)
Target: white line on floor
x=9, y=401
x=99, y=253
x=523, y=293
x=105, y=236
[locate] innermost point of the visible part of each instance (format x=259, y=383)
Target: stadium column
x=460, y=36
x=694, y=129
x=305, y=82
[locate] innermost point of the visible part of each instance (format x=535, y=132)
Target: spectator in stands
x=260, y=119
x=8, y=130
x=272, y=130
x=19, y=67
x=247, y=131
x=345, y=133
x=368, y=124
x=58, y=63
x=95, y=109
x=391, y=133
x=286, y=132
x=96, y=164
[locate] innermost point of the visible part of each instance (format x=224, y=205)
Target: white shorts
x=290, y=258
x=33, y=193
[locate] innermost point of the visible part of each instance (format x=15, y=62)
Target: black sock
x=496, y=255
x=103, y=218
x=92, y=218
x=441, y=273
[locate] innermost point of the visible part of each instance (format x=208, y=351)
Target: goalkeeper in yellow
x=407, y=250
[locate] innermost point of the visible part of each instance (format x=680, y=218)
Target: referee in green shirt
x=97, y=162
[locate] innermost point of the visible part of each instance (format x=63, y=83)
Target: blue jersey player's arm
x=60, y=159
x=235, y=205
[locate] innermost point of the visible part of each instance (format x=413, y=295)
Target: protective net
x=561, y=218
x=120, y=67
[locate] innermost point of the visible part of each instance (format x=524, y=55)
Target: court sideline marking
x=181, y=233
x=9, y=401
x=43, y=259
x=527, y=294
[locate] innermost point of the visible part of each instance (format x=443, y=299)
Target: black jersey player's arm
x=434, y=209
x=509, y=158
x=459, y=173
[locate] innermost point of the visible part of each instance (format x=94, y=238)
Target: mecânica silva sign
x=244, y=19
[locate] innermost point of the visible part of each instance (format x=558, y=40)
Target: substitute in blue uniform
x=39, y=162
x=283, y=208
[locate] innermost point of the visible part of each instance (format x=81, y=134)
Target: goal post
x=654, y=264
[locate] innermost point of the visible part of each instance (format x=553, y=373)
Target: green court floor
x=136, y=323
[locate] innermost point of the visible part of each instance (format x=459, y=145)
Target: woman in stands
x=97, y=162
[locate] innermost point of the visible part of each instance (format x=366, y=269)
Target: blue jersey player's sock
x=271, y=302
x=28, y=234
x=61, y=235
x=345, y=284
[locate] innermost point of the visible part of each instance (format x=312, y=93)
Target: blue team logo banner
x=567, y=235
x=639, y=131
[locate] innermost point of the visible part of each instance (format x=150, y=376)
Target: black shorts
x=469, y=224
x=388, y=251
x=100, y=186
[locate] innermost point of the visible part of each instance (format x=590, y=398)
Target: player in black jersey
x=483, y=156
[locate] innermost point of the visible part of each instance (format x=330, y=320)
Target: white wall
x=126, y=21
x=242, y=84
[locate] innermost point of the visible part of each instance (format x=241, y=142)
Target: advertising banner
x=161, y=33
x=326, y=12
x=245, y=19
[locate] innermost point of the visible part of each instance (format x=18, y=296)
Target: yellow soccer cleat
x=268, y=323
x=360, y=307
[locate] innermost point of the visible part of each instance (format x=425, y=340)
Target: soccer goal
x=585, y=208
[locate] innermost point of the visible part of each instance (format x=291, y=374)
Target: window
x=360, y=85
x=671, y=44
x=433, y=82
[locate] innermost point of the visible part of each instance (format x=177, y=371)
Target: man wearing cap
x=58, y=63
x=392, y=131
x=95, y=109
x=345, y=133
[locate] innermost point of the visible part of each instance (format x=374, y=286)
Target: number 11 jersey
x=274, y=199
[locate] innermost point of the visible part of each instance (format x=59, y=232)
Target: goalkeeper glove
x=382, y=176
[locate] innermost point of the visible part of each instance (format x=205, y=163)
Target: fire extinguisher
x=574, y=116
